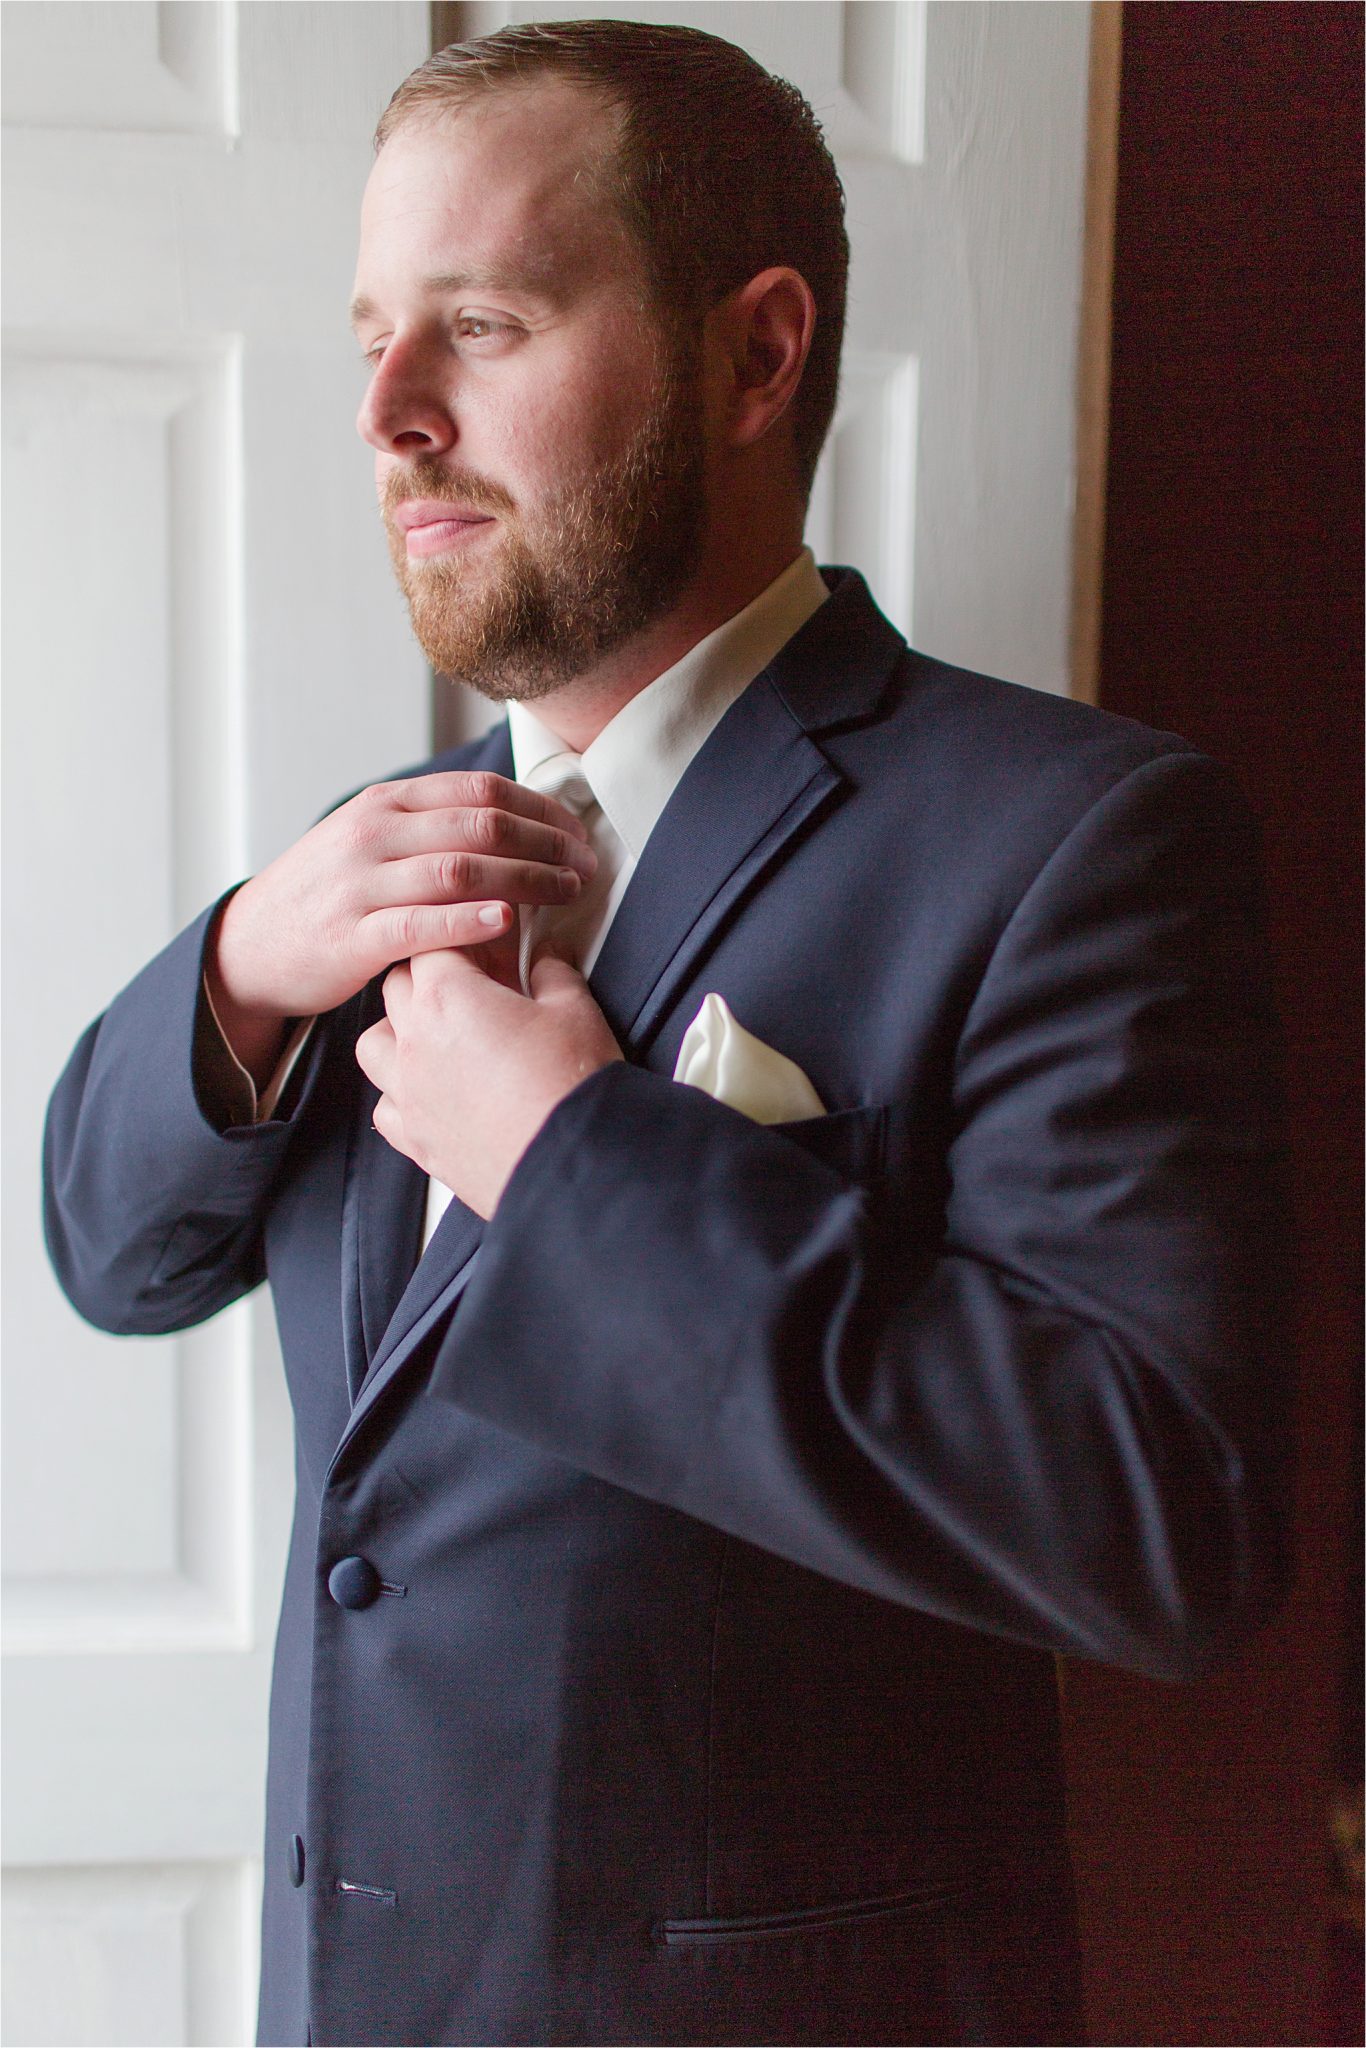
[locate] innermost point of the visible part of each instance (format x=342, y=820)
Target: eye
x=482, y=327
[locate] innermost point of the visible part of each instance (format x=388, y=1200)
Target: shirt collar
x=638, y=759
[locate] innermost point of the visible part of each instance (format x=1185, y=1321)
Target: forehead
x=515, y=182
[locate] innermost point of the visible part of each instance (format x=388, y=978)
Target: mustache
x=448, y=486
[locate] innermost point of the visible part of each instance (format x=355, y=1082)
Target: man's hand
x=403, y=869
x=468, y=1069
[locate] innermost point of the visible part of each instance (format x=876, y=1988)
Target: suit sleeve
x=153, y=1210
x=1057, y=1410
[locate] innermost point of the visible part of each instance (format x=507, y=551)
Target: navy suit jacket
x=719, y=1523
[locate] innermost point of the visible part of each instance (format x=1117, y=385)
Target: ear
x=760, y=336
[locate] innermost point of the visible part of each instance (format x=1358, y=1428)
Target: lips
x=434, y=526
x=415, y=513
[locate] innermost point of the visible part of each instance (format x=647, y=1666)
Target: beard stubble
x=605, y=555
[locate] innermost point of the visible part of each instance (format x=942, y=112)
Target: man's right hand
x=405, y=867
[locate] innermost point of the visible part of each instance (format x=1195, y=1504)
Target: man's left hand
x=469, y=1069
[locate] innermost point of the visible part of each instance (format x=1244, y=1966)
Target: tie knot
x=563, y=778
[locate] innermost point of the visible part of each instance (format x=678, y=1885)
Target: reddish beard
x=605, y=554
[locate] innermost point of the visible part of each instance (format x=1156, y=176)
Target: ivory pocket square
x=729, y=1063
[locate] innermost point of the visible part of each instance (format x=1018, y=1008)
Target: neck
x=579, y=710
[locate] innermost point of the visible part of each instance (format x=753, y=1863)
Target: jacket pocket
x=852, y=1141
x=831, y=1919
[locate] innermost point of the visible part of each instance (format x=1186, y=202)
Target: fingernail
x=494, y=914
x=587, y=860
x=571, y=880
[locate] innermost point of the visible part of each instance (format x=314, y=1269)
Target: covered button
x=354, y=1582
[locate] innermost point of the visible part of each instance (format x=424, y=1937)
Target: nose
x=406, y=411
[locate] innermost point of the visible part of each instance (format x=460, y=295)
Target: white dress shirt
x=637, y=761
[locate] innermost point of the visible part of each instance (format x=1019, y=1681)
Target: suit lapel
x=384, y=1206
x=724, y=824
x=382, y=1218
x=758, y=782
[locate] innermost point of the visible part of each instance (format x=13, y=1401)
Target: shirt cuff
x=229, y=1086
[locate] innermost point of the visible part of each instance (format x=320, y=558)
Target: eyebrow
x=442, y=283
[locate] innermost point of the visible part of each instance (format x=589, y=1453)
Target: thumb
x=552, y=979
x=498, y=958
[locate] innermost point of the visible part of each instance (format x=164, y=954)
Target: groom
x=696, y=1481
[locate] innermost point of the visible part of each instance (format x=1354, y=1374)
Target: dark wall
x=1232, y=614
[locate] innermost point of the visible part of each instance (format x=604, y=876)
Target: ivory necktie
x=573, y=926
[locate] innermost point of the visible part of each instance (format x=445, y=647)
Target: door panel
x=202, y=649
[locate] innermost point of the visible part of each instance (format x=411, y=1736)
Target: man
x=685, y=1534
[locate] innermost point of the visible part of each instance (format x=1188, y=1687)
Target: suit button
x=295, y=1861
x=354, y=1582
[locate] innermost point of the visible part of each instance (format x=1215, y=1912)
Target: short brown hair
x=721, y=170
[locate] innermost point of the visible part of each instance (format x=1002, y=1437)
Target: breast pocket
x=851, y=1141
x=899, y=1160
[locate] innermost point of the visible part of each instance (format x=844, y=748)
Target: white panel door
x=202, y=648
x=959, y=128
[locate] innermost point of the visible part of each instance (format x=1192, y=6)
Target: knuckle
x=339, y=935
x=454, y=873
x=361, y=828
x=483, y=787
x=490, y=829
x=406, y=928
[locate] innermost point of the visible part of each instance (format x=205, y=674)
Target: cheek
x=580, y=406
x=575, y=424
x=544, y=421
